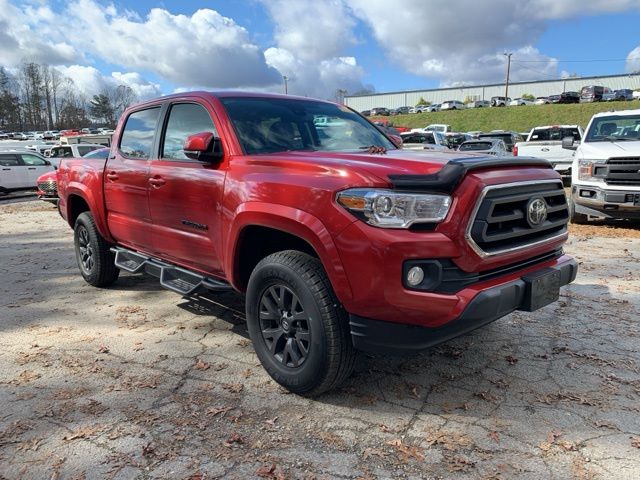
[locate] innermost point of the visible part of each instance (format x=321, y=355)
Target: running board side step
x=177, y=279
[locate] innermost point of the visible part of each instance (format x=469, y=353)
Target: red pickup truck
x=340, y=240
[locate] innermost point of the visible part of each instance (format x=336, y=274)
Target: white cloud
x=205, y=48
x=313, y=30
x=90, y=81
x=464, y=42
x=633, y=60
x=18, y=40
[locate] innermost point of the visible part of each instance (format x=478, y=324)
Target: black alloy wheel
x=285, y=326
x=299, y=330
x=86, y=257
x=93, y=254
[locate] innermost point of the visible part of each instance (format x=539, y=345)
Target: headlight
x=391, y=209
x=586, y=168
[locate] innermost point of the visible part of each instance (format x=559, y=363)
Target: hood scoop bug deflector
x=453, y=172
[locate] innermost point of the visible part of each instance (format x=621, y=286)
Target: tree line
x=39, y=97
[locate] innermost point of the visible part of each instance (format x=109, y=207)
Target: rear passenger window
x=8, y=161
x=184, y=119
x=33, y=161
x=82, y=151
x=137, y=136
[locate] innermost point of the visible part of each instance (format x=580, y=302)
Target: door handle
x=112, y=176
x=32, y=168
x=156, y=181
x=6, y=169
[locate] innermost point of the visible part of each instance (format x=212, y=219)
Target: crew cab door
x=35, y=166
x=126, y=177
x=185, y=194
x=13, y=174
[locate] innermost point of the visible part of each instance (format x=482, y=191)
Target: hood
x=375, y=166
x=604, y=150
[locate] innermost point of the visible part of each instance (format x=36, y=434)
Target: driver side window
x=184, y=119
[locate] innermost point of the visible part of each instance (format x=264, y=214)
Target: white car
x=75, y=150
x=517, y=102
x=605, y=174
x=452, y=105
x=542, y=101
x=19, y=170
x=438, y=127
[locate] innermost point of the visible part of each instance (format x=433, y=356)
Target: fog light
x=415, y=275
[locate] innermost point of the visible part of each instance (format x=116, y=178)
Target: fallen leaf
x=216, y=410
x=200, y=365
x=635, y=442
x=553, y=436
x=369, y=452
x=271, y=422
x=233, y=387
x=270, y=471
x=148, y=450
x=511, y=359
x=406, y=452
x=246, y=373
x=235, y=438
x=82, y=432
x=493, y=435
x=103, y=349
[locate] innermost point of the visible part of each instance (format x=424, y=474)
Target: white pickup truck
x=605, y=174
x=546, y=142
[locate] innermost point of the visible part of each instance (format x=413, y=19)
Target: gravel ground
x=135, y=382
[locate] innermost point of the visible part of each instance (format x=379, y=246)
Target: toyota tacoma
x=339, y=240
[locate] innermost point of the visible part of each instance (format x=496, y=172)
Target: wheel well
x=256, y=242
x=77, y=205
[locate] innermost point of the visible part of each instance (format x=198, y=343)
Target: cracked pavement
x=135, y=382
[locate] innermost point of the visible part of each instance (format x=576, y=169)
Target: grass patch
x=519, y=119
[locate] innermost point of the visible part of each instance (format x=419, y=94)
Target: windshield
x=554, y=134
x=269, y=125
x=426, y=137
x=614, y=127
x=475, y=146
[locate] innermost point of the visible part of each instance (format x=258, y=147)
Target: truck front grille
x=624, y=171
x=50, y=187
x=506, y=219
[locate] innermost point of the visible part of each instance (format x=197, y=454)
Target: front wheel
x=298, y=328
x=577, y=218
x=95, y=260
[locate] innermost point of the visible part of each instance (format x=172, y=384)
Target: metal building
x=540, y=88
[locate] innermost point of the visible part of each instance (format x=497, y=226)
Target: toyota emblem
x=536, y=212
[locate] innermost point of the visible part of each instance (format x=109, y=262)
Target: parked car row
x=588, y=93
x=53, y=134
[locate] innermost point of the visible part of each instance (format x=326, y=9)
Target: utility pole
x=506, y=88
x=284, y=77
x=341, y=94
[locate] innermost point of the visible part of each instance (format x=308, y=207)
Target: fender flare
x=294, y=222
x=96, y=207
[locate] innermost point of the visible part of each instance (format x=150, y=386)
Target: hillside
x=519, y=119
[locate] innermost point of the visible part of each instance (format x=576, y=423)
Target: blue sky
x=320, y=45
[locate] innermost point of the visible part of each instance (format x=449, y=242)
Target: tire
x=577, y=218
x=291, y=307
x=95, y=260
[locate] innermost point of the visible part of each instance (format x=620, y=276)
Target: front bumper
x=487, y=306
x=598, y=202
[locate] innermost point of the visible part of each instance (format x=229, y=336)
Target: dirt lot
x=135, y=382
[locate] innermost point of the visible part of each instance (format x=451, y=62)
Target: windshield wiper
x=613, y=138
x=373, y=149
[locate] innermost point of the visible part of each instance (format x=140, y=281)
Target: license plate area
x=541, y=289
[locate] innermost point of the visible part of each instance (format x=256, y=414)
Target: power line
x=578, y=61
x=553, y=77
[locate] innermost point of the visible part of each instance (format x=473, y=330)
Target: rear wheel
x=299, y=331
x=95, y=260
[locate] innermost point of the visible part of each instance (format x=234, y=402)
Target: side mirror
x=396, y=140
x=568, y=143
x=204, y=147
